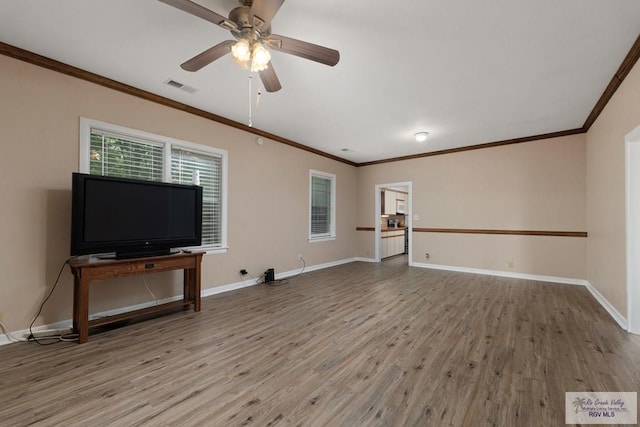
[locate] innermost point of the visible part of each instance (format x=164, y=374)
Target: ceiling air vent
x=180, y=86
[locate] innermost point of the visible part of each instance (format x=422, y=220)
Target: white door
x=633, y=230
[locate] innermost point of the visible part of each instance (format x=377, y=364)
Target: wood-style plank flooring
x=355, y=345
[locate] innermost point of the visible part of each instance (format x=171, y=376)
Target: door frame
x=632, y=190
x=409, y=215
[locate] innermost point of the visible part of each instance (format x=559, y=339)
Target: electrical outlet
x=243, y=272
x=299, y=257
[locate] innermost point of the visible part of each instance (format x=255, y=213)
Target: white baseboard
x=607, y=306
x=204, y=293
x=227, y=288
x=512, y=274
x=360, y=259
x=317, y=267
x=278, y=276
x=5, y=339
x=64, y=324
x=615, y=314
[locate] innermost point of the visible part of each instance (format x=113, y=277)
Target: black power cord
x=273, y=283
x=52, y=339
x=281, y=282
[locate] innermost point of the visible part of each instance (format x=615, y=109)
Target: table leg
x=196, y=286
x=186, y=292
x=76, y=302
x=83, y=311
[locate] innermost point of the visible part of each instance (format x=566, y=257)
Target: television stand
x=86, y=271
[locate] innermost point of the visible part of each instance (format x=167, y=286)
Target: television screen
x=133, y=217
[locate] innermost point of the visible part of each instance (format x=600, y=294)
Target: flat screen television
x=133, y=218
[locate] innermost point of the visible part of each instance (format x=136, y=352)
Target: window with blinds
x=128, y=153
x=114, y=155
x=322, y=205
x=187, y=164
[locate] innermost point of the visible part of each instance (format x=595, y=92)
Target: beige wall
x=572, y=183
x=606, y=248
x=39, y=131
x=530, y=186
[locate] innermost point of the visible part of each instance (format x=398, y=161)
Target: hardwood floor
x=355, y=345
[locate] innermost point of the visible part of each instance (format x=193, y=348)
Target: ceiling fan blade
x=264, y=10
x=208, y=56
x=270, y=79
x=202, y=12
x=306, y=50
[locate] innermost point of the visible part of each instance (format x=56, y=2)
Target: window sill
x=208, y=250
x=321, y=239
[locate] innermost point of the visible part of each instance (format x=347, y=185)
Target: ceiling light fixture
x=421, y=136
x=251, y=55
x=241, y=51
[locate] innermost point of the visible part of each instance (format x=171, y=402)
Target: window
x=111, y=150
x=322, y=201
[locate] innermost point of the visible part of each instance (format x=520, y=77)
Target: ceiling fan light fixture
x=241, y=51
x=421, y=136
x=252, y=55
x=260, y=57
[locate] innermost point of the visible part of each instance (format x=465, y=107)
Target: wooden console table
x=86, y=271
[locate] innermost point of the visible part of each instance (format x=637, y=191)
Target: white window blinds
x=114, y=155
x=322, y=209
x=187, y=164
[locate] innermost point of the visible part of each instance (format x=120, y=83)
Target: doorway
x=393, y=217
x=632, y=155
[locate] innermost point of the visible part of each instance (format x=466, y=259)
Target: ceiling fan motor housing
x=240, y=16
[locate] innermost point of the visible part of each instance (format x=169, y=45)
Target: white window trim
x=332, y=233
x=86, y=125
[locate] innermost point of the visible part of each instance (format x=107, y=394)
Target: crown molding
x=623, y=70
x=52, y=64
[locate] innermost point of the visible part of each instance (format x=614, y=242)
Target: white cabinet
x=392, y=201
x=391, y=246
x=389, y=202
x=384, y=251
x=392, y=243
x=398, y=244
x=384, y=245
x=401, y=202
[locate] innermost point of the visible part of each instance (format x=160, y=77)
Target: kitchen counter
x=393, y=228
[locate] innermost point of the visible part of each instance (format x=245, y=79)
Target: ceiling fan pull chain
x=250, y=93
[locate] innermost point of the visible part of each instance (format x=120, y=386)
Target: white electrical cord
x=9, y=335
x=149, y=290
x=256, y=281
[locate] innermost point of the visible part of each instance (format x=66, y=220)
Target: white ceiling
x=468, y=72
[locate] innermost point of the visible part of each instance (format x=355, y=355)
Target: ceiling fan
x=250, y=24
